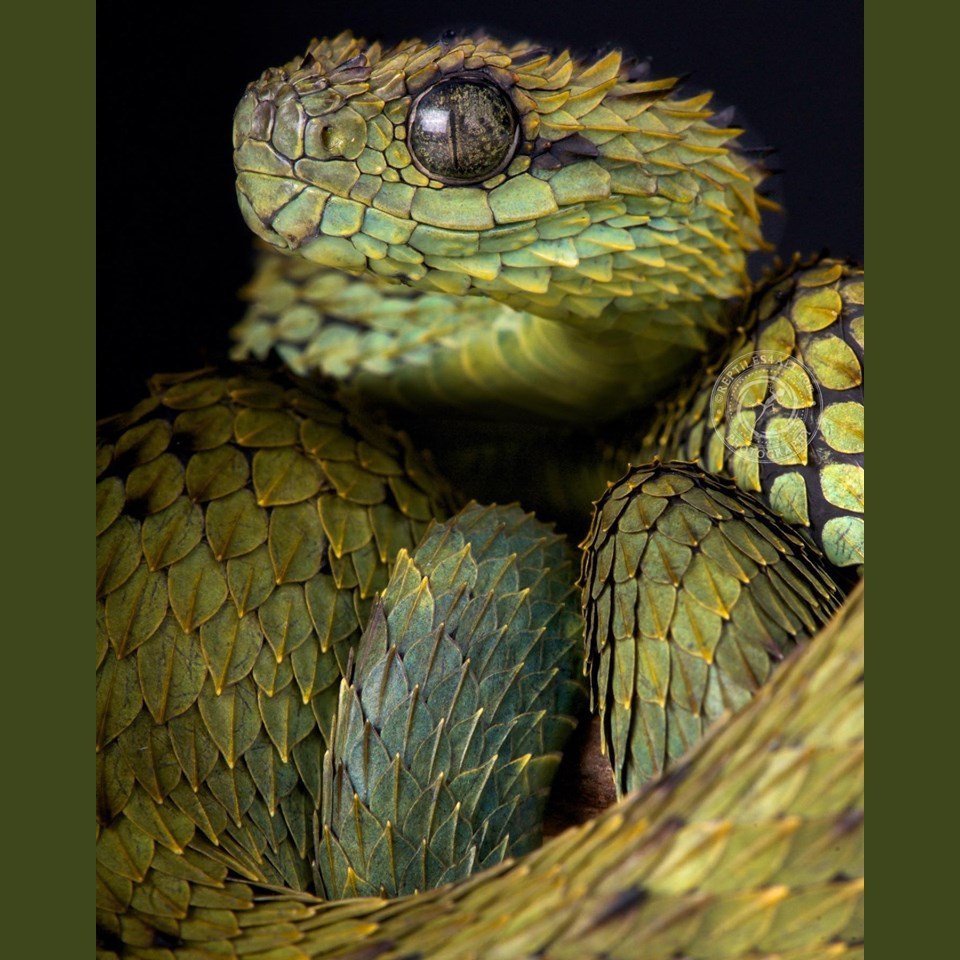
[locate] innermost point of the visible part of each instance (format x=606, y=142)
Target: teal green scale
x=448, y=732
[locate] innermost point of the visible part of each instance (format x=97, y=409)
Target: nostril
x=334, y=136
x=319, y=138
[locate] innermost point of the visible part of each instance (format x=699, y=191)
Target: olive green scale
x=244, y=525
x=691, y=593
x=756, y=850
x=306, y=689
x=792, y=427
x=778, y=407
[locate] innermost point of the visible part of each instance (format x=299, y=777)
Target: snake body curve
x=319, y=684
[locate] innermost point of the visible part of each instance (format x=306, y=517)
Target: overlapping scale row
x=441, y=353
x=466, y=685
x=755, y=849
x=794, y=430
x=244, y=524
x=624, y=206
x=692, y=592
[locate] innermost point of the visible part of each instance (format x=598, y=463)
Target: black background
x=173, y=250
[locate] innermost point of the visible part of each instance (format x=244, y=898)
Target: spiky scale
x=719, y=590
x=622, y=148
x=608, y=102
x=727, y=857
x=223, y=637
x=635, y=213
x=438, y=349
x=465, y=687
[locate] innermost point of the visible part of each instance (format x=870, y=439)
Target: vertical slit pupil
x=462, y=130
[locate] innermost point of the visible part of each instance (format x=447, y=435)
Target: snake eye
x=462, y=130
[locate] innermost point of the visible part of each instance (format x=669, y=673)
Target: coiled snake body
x=327, y=697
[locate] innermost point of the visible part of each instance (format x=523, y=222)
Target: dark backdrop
x=172, y=249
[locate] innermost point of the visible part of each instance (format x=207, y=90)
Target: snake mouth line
x=328, y=226
x=286, y=178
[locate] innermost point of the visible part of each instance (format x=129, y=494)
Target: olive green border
x=47, y=319
x=911, y=62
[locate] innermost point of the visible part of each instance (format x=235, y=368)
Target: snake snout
x=297, y=142
x=268, y=140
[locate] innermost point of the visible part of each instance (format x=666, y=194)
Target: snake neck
x=441, y=354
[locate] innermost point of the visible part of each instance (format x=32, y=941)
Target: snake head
x=580, y=190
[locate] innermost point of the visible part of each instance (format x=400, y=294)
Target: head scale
x=581, y=191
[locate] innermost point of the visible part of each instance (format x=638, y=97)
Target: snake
x=348, y=672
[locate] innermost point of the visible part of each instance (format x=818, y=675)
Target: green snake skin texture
x=625, y=217
x=244, y=526
x=332, y=699
x=323, y=169
x=440, y=353
x=466, y=686
x=806, y=413
x=691, y=593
